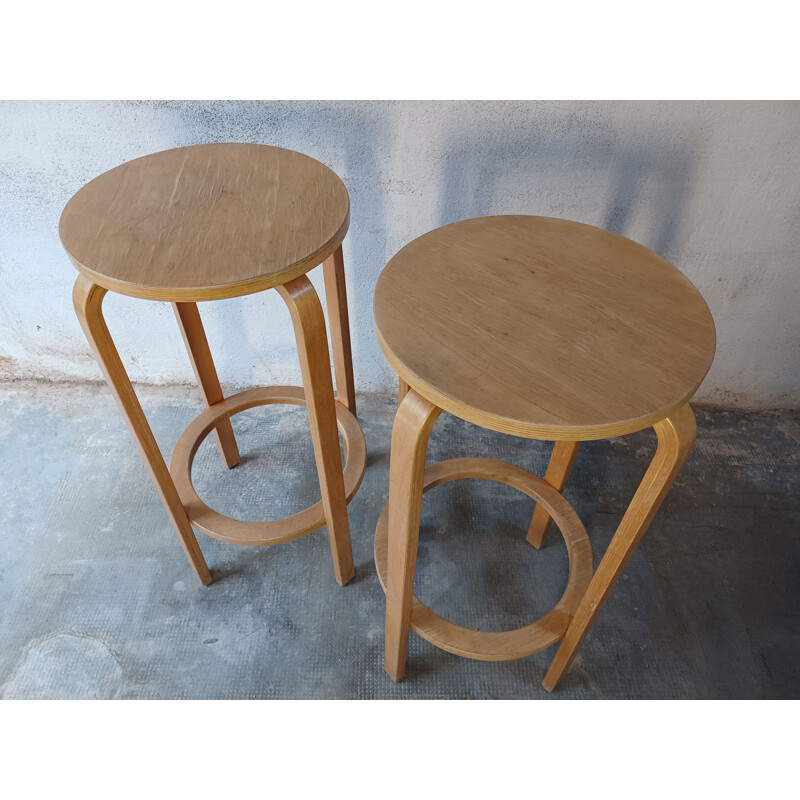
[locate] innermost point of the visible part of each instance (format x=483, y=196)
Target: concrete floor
x=97, y=600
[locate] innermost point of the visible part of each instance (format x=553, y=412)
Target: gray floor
x=97, y=601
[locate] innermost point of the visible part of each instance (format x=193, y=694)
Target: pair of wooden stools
x=532, y=326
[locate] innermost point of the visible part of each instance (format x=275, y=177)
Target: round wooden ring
x=270, y=531
x=501, y=645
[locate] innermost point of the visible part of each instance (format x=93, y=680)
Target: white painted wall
x=712, y=186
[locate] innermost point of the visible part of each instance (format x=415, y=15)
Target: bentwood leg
x=676, y=435
x=412, y=427
x=315, y=365
x=402, y=390
x=336, y=298
x=194, y=337
x=88, y=299
x=561, y=461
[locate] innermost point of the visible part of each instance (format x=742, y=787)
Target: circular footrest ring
x=271, y=531
x=501, y=645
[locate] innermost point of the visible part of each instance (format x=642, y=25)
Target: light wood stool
x=209, y=222
x=546, y=329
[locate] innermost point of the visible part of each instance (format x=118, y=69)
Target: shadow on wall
x=576, y=168
x=572, y=160
x=348, y=138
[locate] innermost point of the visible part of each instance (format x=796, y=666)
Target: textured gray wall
x=712, y=186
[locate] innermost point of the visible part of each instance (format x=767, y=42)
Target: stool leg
x=561, y=461
x=194, y=337
x=88, y=300
x=412, y=427
x=402, y=390
x=676, y=435
x=315, y=365
x=336, y=298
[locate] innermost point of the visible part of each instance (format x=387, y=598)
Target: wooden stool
x=209, y=222
x=546, y=329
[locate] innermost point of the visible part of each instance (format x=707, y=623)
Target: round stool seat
x=206, y=222
x=209, y=222
x=542, y=327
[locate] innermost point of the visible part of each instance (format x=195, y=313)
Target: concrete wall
x=712, y=186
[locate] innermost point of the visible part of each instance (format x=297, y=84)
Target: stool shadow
x=363, y=572
x=420, y=666
x=497, y=169
x=220, y=574
x=577, y=681
x=376, y=457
